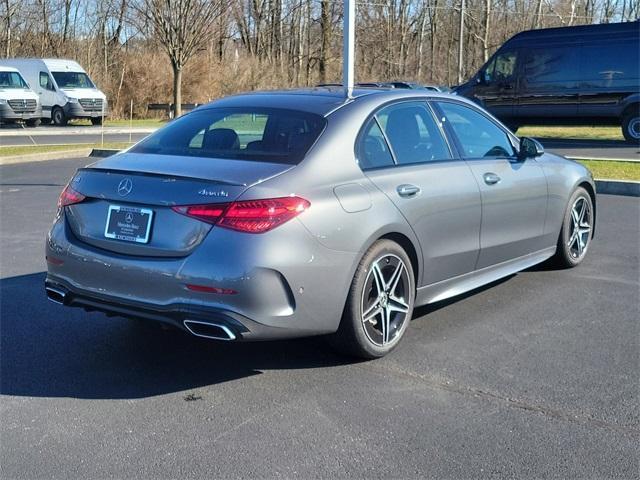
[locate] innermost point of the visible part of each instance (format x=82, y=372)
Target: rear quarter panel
x=563, y=177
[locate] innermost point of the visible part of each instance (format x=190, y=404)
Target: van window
x=501, y=68
x=12, y=80
x=552, y=64
x=611, y=64
x=256, y=134
x=45, y=81
x=72, y=80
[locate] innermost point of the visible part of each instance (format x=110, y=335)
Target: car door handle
x=407, y=190
x=491, y=178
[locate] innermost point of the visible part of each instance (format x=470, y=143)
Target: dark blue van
x=584, y=75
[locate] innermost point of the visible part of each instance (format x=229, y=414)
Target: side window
x=608, y=64
x=554, y=64
x=413, y=133
x=45, y=81
x=501, y=68
x=477, y=134
x=373, y=151
x=505, y=66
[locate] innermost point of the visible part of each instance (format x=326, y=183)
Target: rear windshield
x=72, y=80
x=258, y=134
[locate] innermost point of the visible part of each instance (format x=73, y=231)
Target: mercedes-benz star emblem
x=124, y=187
x=128, y=218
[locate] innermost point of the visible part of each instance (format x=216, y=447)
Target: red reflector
x=69, y=196
x=54, y=261
x=249, y=216
x=206, y=289
x=206, y=213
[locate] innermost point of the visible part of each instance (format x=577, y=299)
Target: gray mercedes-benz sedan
x=307, y=212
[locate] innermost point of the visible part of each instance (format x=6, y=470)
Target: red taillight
x=249, y=216
x=69, y=196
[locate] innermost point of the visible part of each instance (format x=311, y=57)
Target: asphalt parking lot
x=533, y=377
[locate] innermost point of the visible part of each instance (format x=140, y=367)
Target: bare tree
x=183, y=28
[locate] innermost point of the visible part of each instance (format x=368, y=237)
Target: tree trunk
x=325, y=20
x=177, y=90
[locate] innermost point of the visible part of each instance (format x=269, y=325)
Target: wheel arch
x=592, y=193
x=634, y=104
x=407, y=246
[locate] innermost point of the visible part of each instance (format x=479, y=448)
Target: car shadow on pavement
x=48, y=350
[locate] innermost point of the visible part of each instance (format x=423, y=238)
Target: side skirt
x=469, y=281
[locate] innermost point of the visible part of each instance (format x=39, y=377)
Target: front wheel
x=631, y=126
x=58, y=117
x=380, y=303
x=577, y=230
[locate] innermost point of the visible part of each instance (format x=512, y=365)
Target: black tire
x=96, y=120
x=34, y=122
x=58, y=117
x=356, y=337
x=567, y=254
x=631, y=126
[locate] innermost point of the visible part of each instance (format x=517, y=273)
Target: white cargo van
x=17, y=101
x=64, y=88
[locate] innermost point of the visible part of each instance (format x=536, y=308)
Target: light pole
x=348, y=52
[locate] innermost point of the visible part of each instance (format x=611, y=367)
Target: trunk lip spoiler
x=158, y=174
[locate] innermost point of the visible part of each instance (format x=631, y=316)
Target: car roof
x=319, y=100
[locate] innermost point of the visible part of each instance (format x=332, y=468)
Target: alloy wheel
x=385, y=299
x=580, y=232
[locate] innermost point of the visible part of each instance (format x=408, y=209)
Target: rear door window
x=478, y=135
x=413, y=133
x=373, y=151
x=269, y=135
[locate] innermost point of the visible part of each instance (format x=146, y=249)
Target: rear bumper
x=238, y=326
x=280, y=280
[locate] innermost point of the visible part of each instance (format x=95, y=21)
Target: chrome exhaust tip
x=56, y=295
x=209, y=330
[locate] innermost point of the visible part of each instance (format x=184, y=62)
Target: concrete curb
x=41, y=157
x=617, y=187
x=630, y=160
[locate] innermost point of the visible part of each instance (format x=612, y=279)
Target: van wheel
x=380, y=303
x=58, y=117
x=33, y=122
x=631, y=126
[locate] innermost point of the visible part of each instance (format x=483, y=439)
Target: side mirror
x=530, y=148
